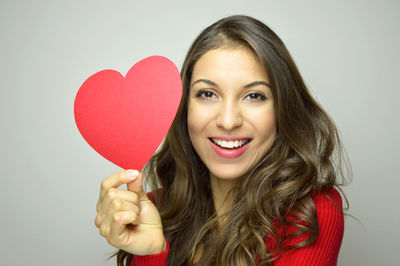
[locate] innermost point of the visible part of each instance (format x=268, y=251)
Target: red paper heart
x=125, y=119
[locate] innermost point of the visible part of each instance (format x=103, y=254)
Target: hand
x=128, y=219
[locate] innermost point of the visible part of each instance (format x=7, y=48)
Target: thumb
x=137, y=186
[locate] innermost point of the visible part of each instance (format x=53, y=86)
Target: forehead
x=237, y=63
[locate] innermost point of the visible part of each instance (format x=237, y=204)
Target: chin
x=228, y=174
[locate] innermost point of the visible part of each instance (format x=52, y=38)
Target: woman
x=246, y=174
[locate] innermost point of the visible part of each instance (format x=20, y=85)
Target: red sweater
x=324, y=251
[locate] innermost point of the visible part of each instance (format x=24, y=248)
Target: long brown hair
x=305, y=157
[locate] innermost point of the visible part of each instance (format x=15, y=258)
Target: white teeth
x=229, y=144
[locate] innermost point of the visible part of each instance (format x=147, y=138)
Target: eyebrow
x=212, y=83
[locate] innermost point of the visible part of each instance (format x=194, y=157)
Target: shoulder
x=329, y=212
x=328, y=195
x=329, y=209
x=325, y=249
x=330, y=219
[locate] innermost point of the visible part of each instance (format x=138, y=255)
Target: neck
x=222, y=193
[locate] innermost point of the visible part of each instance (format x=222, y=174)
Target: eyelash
x=202, y=94
x=260, y=97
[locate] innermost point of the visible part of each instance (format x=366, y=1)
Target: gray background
x=347, y=52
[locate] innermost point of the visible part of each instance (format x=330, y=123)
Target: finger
x=126, y=217
x=115, y=193
x=104, y=216
x=116, y=180
x=98, y=220
x=137, y=186
x=118, y=227
x=104, y=230
x=117, y=205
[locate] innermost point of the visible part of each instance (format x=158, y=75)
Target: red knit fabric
x=151, y=260
x=324, y=251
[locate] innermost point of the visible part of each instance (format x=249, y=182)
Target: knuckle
x=116, y=217
x=116, y=203
x=104, y=185
x=132, y=215
x=111, y=193
x=99, y=207
x=104, y=231
x=97, y=221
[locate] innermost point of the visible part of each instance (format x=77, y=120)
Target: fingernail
x=132, y=174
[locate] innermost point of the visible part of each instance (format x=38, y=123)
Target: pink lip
x=229, y=138
x=229, y=153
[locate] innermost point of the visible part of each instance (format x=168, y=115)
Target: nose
x=229, y=116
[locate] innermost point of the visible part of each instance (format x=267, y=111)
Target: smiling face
x=231, y=119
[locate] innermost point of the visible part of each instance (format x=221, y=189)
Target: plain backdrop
x=347, y=52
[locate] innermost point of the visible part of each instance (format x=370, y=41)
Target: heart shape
x=125, y=119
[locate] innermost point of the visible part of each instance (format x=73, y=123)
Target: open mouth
x=230, y=144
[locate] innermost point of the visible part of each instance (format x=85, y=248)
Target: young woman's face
x=231, y=119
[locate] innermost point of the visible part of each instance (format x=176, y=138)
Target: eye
x=256, y=97
x=205, y=94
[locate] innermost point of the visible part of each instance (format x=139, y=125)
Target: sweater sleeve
x=151, y=260
x=325, y=249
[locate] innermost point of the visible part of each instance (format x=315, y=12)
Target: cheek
x=264, y=124
x=194, y=122
x=199, y=118
x=190, y=121
x=270, y=130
